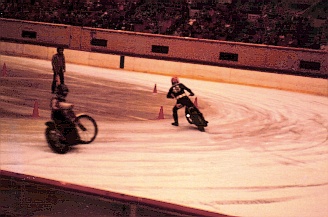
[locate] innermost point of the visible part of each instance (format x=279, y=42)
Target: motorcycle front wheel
x=87, y=128
x=188, y=117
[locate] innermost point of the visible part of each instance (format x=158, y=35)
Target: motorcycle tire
x=87, y=128
x=201, y=128
x=188, y=117
x=52, y=136
x=195, y=118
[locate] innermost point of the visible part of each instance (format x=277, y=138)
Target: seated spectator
x=274, y=24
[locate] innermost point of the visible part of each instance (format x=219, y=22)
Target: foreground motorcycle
x=84, y=132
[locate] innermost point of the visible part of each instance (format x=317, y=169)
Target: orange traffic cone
x=196, y=103
x=161, y=113
x=155, y=89
x=36, y=110
x=4, y=70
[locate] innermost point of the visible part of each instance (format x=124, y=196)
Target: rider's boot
x=60, y=134
x=175, y=118
x=175, y=124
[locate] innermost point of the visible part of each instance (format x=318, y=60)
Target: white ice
x=264, y=153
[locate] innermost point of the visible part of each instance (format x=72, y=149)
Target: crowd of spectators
x=262, y=22
x=269, y=23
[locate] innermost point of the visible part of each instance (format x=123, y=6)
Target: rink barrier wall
x=24, y=195
x=286, y=60
x=317, y=86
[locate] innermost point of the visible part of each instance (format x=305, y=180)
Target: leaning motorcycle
x=194, y=117
x=84, y=131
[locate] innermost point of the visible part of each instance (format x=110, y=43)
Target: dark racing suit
x=62, y=114
x=178, y=91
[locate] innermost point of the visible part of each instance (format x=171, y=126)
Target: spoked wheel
x=193, y=117
x=52, y=136
x=87, y=128
x=188, y=117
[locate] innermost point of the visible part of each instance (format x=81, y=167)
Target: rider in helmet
x=177, y=91
x=63, y=115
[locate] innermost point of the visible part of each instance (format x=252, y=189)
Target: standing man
x=58, y=67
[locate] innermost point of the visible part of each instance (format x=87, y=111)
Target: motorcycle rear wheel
x=52, y=136
x=201, y=128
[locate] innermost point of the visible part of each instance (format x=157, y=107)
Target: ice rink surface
x=264, y=153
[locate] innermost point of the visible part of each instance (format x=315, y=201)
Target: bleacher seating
x=250, y=21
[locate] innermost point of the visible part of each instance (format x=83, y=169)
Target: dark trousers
x=61, y=78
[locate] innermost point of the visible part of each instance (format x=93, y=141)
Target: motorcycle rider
x=63, y=116
x=177, y=91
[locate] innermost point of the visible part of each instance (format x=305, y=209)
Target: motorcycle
x=194, y=117
x=84, y=131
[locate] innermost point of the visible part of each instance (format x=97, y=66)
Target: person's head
x=174, y=80
x=60, y=50
x=62, y=91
